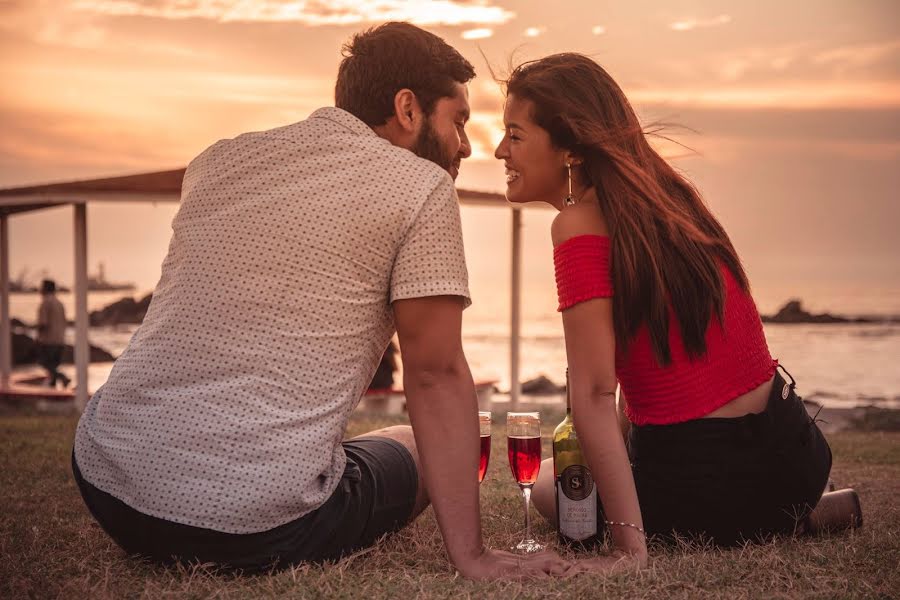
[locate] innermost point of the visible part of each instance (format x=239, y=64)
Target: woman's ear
x=407, y=110
x=573, y=159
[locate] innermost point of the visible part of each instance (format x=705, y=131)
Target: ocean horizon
x=836, y=365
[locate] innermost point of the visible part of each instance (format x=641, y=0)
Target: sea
x=840, y=365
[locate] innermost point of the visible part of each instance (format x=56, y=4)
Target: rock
x=97, y=354
x=793, y=312
x=874, y=418
x=25, y=351
x=125, y=310
x=542, y=386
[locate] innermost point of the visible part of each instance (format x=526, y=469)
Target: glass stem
x=526, y=494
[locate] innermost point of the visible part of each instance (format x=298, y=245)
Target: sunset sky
x=794, y=107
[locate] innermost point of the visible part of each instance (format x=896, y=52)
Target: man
x=295, y=255
x=51, y=333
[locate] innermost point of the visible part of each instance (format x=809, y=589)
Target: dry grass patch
x=51, y=548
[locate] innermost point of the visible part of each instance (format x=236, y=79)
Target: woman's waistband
x=726, y=430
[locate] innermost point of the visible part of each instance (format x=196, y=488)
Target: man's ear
x=407, y=110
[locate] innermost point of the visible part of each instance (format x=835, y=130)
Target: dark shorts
x=731, y=480
x=375, y=496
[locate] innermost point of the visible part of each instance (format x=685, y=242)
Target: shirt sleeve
x=431, y=260
x=582, y=270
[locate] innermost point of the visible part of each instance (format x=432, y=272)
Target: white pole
x=81, y=313
x=516, y=297
x=5, y=330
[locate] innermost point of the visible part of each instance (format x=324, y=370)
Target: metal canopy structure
x=165, y=186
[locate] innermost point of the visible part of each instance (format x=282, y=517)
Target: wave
x=820, y=395
x=834, y=398
x=885, y=332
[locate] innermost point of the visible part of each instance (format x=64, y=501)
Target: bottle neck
x=568, y=395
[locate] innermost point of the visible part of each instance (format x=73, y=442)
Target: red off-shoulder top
x=736, y=361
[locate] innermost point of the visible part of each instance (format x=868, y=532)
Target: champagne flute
x=484, y=424
x=523, y=430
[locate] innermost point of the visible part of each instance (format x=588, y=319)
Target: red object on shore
x=32, y=388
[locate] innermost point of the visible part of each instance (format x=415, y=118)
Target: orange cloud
x=842, y=94
x=485, y=131
x=308, y=12
x=857, y=56
x=477, y=34
x=692, y=23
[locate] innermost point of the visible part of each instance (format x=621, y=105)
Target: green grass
x=51, y=548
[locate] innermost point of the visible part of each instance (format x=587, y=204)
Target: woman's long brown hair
x=666, y=246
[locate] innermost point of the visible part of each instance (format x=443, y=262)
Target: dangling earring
x=570, y=200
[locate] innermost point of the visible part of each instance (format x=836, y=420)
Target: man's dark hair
x=383, y=60
x=48, y=286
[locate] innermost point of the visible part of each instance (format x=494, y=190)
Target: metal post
x=81, y=312
x=5, y=329
x=516, y=299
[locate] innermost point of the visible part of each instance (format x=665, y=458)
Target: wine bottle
x=580, y=520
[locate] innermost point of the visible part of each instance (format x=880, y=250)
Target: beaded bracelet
x=623, y=524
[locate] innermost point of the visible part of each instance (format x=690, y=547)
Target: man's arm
x=441, y=401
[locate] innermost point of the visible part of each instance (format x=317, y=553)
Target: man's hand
x=498, y=564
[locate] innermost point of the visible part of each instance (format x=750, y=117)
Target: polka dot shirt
x=273, y=308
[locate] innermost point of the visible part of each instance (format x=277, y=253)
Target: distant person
x=295, y=254
x=51, y=334
x=654, y=297
x=384, y=374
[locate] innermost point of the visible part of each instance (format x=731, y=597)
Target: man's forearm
x=443, y=411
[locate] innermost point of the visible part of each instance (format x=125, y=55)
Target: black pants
x=50, y=357
x=375, y=496
x=731, y=480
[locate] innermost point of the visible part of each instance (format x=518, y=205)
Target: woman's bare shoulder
x=579, y=219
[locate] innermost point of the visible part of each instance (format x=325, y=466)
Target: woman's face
x=535, y=169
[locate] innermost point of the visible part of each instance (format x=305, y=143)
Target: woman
x=654, y=297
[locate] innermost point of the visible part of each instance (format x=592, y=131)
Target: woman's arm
x=590, y=350
x=624, y=422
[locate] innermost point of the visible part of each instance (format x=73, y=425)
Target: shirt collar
x=344, y=119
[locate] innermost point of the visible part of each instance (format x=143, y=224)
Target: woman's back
x=736, y=361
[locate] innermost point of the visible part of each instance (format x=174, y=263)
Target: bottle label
x=577, y=503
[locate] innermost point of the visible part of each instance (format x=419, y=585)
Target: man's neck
x=393, y=133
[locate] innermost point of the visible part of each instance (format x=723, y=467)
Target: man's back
x=269, y=319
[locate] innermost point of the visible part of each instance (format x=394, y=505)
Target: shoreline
x=829, y=418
